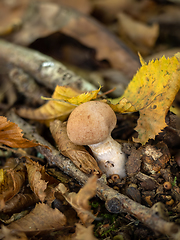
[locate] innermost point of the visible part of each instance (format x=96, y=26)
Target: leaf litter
x=151, y=168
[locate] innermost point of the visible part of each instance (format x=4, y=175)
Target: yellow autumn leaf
x=63, y=101
x=151, y=92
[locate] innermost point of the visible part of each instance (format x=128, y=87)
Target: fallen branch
x=44, y=69
x=115, y=202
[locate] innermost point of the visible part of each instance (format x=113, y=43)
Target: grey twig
x=114, y=201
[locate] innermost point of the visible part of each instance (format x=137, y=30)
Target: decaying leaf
x=41, y=218
x=78, y=154
x=13, y=235
x=11, y=184
x=140, y=36
x=151, y=92
x=19, y=202
x=10, y=135
x=11, y=16
x=64, y=100
x=79, y=201
x=37, y=185
x=84, y=232
x=43, y=19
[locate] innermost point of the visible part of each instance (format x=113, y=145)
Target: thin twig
x=114, y=201
x=44, y=69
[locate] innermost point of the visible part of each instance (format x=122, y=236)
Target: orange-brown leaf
x=78, y=154
x=10, y=135
x=11, y=184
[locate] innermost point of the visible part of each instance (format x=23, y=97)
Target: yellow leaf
x=64, y=100
x=151, y=92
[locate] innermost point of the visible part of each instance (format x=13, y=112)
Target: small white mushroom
x=91, y=124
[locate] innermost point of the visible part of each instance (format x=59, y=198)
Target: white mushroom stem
x=109, y=156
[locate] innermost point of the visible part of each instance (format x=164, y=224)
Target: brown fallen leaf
x=41, y=219
x=83, y=6
x=13, y=235
x=107, y=10
x=11, y=183
x=19, y=202
x=10, y=135
x=78, y=154
x=37, y=184
x=140, y=36
x=43, y=19
x=84, y=232
x=41, y=183
x=11, y=15
x=79, y=201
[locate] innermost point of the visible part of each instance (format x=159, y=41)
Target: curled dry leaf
x=37, y=185
x=79, y=201
x=11, y=183
x=84, y=232
x=41, y=218
x=64, y=100
x=19, y=202
x=10, y=135
x=78, y=154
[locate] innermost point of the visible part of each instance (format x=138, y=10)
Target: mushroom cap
x=90, y=123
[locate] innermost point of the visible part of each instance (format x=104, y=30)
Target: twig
x=114, y=201
x=44, y=69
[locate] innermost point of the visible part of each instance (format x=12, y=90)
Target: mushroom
x=91, y=124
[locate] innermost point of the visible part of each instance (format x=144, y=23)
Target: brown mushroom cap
x=91, y=122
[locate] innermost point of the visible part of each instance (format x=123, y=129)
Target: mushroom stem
x=109, y=156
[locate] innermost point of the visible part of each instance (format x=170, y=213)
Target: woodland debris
x=44, y=69
x=78, y=154
x=43, y=19
x=115, y=201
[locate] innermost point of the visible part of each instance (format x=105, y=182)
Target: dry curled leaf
x=64, y=100
x=41, y=218
x=78, y=154
x=10, y=135
x=19, y=202
x=80, y=201
x=11, y=183
x=151, y=92
x=37, y=184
